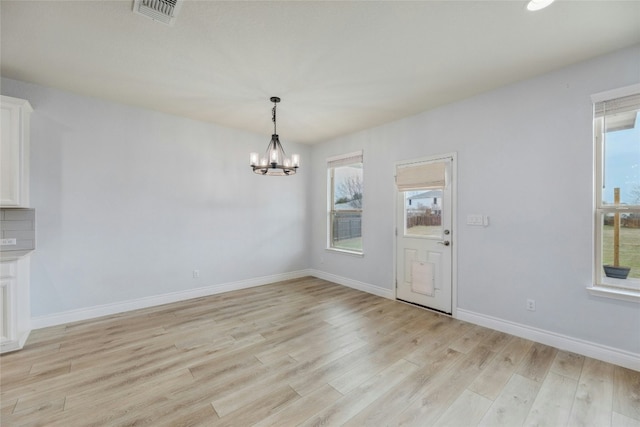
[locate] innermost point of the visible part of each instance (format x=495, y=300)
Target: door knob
x=445, y=242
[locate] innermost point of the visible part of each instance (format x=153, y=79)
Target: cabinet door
x=8, y=282
x=10, y=158
x=14, y=152
x=7, y=331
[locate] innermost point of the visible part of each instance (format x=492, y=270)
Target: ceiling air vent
x=164, y=11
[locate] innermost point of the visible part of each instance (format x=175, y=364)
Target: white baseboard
x=146, y=302
x=562, y=342
x=8, y=346
x=355, y=284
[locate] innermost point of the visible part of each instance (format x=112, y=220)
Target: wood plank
x=186, y=415
x=443, y=392
x=27, y=414
x=436, y=338
x=471, y=339
x=626, y=392
x=467, y=410
x=619, y=420
x=553, y=402
x=370, y=366
x=397, y=399
x=568, y=364
x=234, y=399
x=493, y=379
x=538, y=362
x=513, y=404
x=117, y=400
x=310, y=381
x=359, y=398
x=269, y=404
x=302, y=409
x=496, y=341
x=593, y=403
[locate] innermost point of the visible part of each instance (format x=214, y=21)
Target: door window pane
x=423, y=213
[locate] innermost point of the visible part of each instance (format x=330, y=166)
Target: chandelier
x=274, y=161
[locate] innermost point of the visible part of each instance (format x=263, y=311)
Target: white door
x=424, y=234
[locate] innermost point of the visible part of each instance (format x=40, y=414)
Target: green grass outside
x=629, y=248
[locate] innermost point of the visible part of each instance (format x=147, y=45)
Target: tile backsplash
x=18, y=224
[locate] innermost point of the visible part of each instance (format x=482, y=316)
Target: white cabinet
x=15, y=312
x=14, y=152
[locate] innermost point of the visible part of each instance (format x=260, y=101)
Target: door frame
x=454, y=224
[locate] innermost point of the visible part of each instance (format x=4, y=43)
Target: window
x=345, y=191
x=423, y=187
x=617, y=192
x=423, y=214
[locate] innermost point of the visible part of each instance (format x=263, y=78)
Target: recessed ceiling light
x=538, y=4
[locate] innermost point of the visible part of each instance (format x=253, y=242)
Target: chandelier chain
x=273, y=117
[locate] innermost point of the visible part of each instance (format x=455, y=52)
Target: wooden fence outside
x=428, y=219
x=624, y=222
x=346, y=225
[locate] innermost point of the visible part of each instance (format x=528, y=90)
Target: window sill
x=615, y=293
x=346, y=252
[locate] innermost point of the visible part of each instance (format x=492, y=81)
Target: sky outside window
x=622, y=165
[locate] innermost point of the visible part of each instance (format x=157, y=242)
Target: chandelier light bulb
x=253, y=159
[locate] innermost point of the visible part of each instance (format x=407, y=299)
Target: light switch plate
x=473, y=219
x=478, y=220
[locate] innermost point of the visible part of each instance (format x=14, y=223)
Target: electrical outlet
x=531, y=305
x=196, y=274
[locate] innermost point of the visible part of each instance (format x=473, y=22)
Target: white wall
x=130, y=201
x=525, y=159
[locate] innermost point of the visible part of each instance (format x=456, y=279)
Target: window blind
x=345, y=159
x=618, y=105
x=618, y=113
x=425, y=175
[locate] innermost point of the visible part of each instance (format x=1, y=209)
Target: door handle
x=445, y=243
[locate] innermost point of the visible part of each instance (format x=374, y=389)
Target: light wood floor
x=303, y=352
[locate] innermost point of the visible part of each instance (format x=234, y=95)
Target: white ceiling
x=339, y=67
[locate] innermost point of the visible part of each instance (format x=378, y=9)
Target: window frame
x=610, y=288
x=332, y=164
